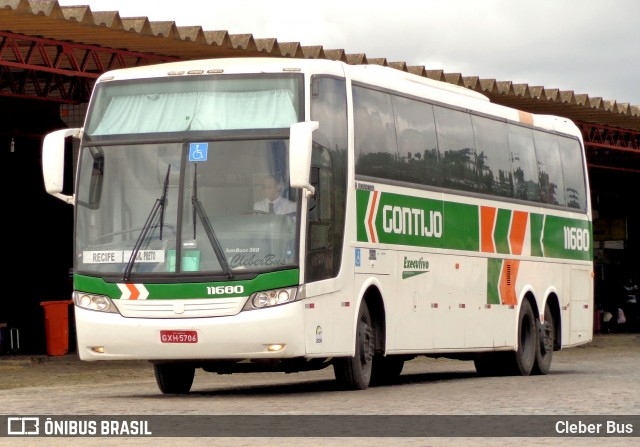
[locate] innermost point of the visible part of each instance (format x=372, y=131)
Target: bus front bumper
x=252, y=334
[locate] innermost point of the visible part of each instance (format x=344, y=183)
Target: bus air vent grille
x=191, y=308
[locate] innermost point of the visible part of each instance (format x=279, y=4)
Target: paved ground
x=21, y=371
x=600, y=378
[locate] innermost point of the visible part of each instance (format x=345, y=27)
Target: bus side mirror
x=300, y=144
x=53, y=161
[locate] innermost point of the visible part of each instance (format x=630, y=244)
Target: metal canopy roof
x=164, y=40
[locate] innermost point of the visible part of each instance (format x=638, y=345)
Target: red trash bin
x=56, y=323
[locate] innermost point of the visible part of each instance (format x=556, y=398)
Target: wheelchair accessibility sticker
x=198, y=151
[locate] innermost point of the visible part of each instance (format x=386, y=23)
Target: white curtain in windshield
x=175, y=112
x=168, y=112
x=244, y=110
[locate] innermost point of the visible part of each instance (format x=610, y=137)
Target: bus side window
x=97, y=178
x=327, y=210
x=524, y=163
x=320, y=204
x=315, y=200
x=321, y=222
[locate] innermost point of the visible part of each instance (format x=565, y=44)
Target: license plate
x=179, y=336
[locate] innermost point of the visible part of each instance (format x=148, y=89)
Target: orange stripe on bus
x=487, y=221
x=135, y=293
x=525, y=117
x=371, y=216
x=518, y=230
x=508, y=278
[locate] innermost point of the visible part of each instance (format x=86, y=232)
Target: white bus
x=414, y=218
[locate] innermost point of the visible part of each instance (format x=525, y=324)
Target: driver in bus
x=274, y=203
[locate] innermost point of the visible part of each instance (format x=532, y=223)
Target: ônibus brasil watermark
x=247, y=426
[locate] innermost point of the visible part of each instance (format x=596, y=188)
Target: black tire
x=354, y=373
x=545, y=345
x=521, y=361
x=174, y=378
x=386, y=369
x=518, y=362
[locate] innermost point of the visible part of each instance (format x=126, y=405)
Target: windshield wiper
x=158, y=206
x=163, y=200
x=201, y=213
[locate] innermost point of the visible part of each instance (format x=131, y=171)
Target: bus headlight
x=98, y=303
x=270, y=298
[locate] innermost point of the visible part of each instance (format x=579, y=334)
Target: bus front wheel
x=354, y=373
x=174, y=378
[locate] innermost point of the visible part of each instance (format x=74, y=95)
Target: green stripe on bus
x=421, y=222
x=461, y=226
x=536, y=221
x=95, y=285
x=494, y=266
x=567, y=238
x=362, y=200
x=406, y=220
x=501, y=232
x=264, y=281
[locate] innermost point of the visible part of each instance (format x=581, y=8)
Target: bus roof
x=403, y=76
x=385, y=77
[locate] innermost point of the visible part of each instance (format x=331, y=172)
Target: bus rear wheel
x=354, y=373
x=174, y=378
x=546, y=342
x=521, y=361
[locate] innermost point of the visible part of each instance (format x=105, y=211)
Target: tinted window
x=572, y=168
x=375, y=134
x=549, y=168
x=329, y=174
x=494, y=158
x=399, y=138
x=523, y=160
x=417, y=143
x=457, y=149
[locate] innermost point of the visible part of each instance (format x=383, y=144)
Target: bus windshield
x=192, y=200
x=215, y=201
